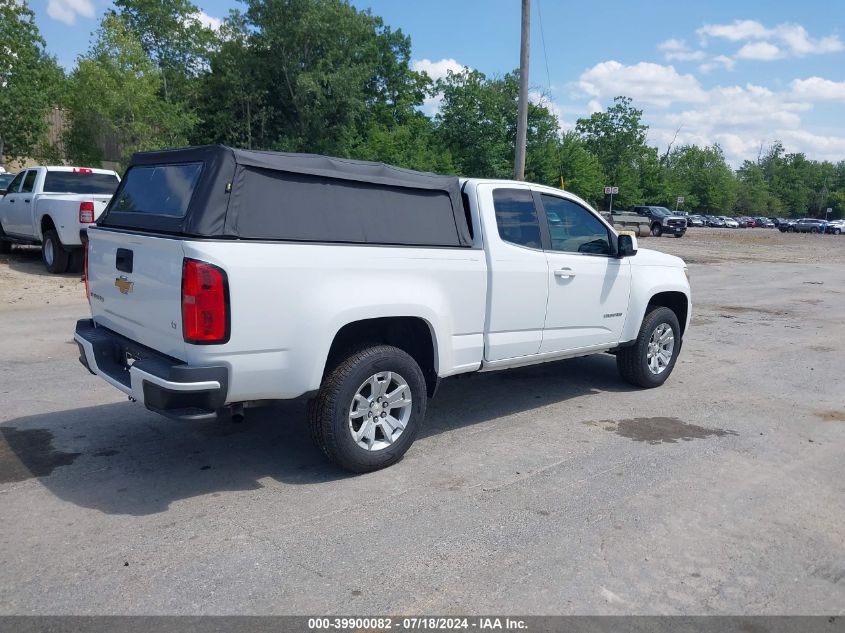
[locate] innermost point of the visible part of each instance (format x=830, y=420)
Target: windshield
x=660, y=211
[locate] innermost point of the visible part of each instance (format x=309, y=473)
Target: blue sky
x=739, y=73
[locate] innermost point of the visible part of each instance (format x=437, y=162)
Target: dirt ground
x=553, y=489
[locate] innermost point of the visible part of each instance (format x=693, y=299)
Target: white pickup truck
x=220, y=279
x=50, y=206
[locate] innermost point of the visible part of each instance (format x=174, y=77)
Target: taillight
x=205, y=303
x=86, y=212
x=85, y=269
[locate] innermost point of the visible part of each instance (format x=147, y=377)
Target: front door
x=588, y=287
x=9, y=205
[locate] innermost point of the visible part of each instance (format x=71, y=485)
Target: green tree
x=173, y=36
x=703, y=177
x=30, y=83
x=308, y=75
x=477, y=125
x=128, y=100
x=617, y=138
x=581, y=170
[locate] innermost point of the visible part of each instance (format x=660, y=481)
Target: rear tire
x=55, y=256
x=5, y=246
x=634, y=362
x=348, y=413
x=76, y=262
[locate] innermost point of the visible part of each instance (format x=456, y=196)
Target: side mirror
x=626, y=245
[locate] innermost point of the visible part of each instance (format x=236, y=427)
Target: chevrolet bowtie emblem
x=124, y=285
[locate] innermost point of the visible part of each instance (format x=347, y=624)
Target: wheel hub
x=380, y=410
x=661, y=347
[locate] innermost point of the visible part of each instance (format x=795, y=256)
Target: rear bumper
x=163, y=384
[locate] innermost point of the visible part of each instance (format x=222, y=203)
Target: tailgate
x=136, y=288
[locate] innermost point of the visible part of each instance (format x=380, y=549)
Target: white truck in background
x=220, y=279
x=50, y=206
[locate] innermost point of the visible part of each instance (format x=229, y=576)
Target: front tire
x=656, y=230
x=650, y=361
x=55, y=256
x=369, y=409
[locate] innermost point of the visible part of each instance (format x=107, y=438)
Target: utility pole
x=522, y=109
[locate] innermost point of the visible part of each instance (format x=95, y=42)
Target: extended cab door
x=588, y=287
x=517, y=271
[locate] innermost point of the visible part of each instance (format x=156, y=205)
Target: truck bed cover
x=248, y=194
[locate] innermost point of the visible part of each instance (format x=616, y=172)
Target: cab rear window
x=80, y=182
x=158, y=189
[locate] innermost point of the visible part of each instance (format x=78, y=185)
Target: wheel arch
x=676, y=301
x=414, y=335
x=45, y=223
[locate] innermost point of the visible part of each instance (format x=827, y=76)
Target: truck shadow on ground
x=121, y=459
x=27, y=259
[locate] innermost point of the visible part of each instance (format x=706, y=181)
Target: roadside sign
x=614, y=190
x=680, y=199
x=608, y=190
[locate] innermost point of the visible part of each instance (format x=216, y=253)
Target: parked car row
x=812, y=225
x=724, y=221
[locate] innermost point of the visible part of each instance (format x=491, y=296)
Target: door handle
x=12, y=201
x=26, y=200
x=564, y=273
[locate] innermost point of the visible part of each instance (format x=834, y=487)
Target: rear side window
x=29, y=181
x=80, y=182
x=516, y=217
x=158, y=190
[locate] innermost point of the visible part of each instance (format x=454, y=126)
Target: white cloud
x=67, y=10
x=644, y=82
x=760, y=51
x=719, y=62
x=677, y=50
x=673, y=44
x=794, y=40
x=439, y=69
x=800, y=43
x=819, y=89
x=436, y=70
x=685, y=56
x=735, y=31
x=208, y=21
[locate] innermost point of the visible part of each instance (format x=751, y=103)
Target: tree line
x=322, y=76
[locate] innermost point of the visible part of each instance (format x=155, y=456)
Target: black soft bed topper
x=246, y=194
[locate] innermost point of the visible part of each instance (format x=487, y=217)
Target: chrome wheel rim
x=661, y=346
x=48, y=252
x=380, y=411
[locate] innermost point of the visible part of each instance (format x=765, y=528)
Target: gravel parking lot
x=554, y=489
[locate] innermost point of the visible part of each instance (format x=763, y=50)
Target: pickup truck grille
x=676, y=222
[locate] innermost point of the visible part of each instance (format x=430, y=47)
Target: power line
x=549, y=81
